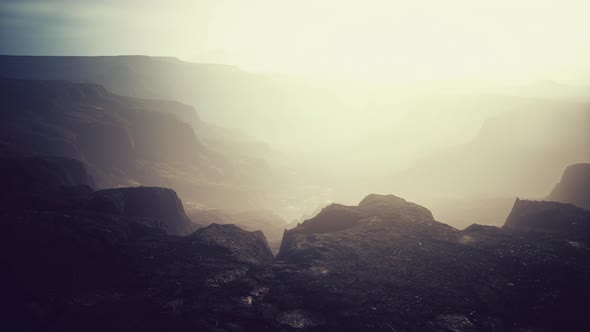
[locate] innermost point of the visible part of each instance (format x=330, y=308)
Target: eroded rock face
x=157, y=207
x=574, y=187
x=549, y=217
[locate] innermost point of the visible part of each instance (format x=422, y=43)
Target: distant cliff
x=126, y=141
x=574, y=186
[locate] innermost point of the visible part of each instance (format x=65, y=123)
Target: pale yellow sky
x=417, y=39
x=397, y=40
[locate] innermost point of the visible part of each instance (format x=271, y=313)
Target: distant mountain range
x=498, y=162
x=519, y=153
x=500, y=156
x=208, y=88
x=489, y=170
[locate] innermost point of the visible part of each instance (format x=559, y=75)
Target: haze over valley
x=286, y=166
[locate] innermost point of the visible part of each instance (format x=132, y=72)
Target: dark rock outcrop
x=386, y=264
x=271, y=224
x=60, y=185
x=387, y=212
x=97, y=272
x=391, y=205
x=247, y=247
x=158, y=207
x=574, y=187
x=549, y=217
x=107, y=263
x=391, y=208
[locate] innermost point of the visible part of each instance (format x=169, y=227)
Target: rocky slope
x=105, y=261
x=79, y=270
x=574, y=186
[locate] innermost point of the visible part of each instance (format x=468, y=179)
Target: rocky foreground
x=386, y=264
x=75, y=259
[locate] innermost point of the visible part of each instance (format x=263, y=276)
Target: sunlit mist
x=385, y=40
x=433, y=100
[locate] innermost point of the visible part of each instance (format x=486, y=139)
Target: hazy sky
x=499, y=39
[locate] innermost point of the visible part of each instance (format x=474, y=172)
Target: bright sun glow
x=394, y=40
